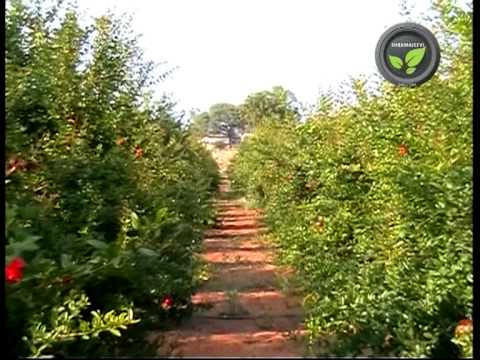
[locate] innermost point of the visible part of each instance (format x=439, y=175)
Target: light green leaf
x=116, y=262
x=135, y=220
x=395, y=61
x=147, y=252
x=161, y=215
x=414, y=57
x=410, y=70
x=97, y=244
x=115, y=332
x=66, y=260
x=20, y=247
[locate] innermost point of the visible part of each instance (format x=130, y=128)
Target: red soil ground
x=239, y=311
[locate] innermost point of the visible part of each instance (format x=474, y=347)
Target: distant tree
x=225, y=119
x=199, y=125
x=324, y=105
x=278, y=104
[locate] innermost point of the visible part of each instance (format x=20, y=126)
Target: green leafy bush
x=106, y=193
x=371, y=203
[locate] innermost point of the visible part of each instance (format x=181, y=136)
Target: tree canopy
x=225, y=119
x=221, y=119
x=278, y=104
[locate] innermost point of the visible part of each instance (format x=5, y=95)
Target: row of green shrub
x=372, y=205
x=106, y=194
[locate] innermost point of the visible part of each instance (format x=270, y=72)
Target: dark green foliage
x=106, y=193
x=221, y=119
x=371, y=203
x=275, y=105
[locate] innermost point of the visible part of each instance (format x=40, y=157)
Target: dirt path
x=240, y=310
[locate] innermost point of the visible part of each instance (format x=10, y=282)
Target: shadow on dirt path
x=240, y=310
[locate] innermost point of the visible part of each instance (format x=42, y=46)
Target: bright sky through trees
x=225, y=50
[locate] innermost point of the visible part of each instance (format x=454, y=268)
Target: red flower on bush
x=67, y=279
x=402, y=150
x=14, y=270
x=138, y=152
x=15, y=164
x=167, y=302
x=463, y=326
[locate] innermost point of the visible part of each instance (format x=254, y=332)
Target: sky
x=224, y=50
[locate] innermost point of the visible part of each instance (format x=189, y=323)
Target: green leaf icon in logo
x=396, y=62
x=410, y=70
x=414, y=57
